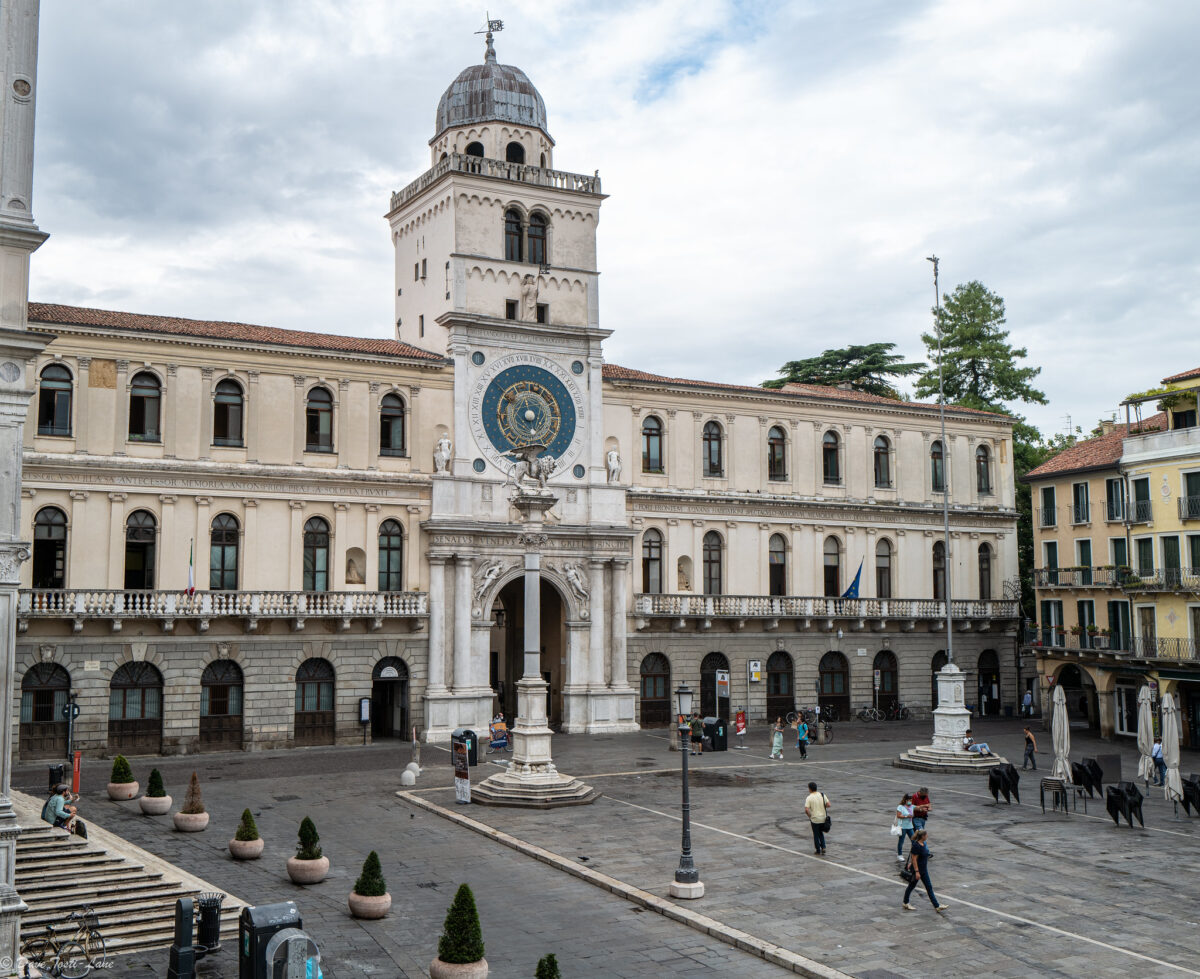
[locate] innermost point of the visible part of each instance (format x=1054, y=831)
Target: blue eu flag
x=852, y=591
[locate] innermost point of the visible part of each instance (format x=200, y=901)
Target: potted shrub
x=547, y=968
x=246, y=843
x=460, y=949
x=155, y=802
x=308, y=866
x=192, y=817
x=122, y=788
x=370, y=898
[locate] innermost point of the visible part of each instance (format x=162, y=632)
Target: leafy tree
x=193, y=802
x=310, y=842
x=462, y=937
x=547, y=968
x=155, y=789
x=370, y=882
x=869, y=367
x=122, y=774
x=247, y=829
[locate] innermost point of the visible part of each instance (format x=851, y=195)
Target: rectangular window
x=1085, y=612
x=1171, y=561
x=1193, y=545
x=543, y=313
x=1051, y=549
x=421, y=324
x=1083, y=558
x=1120, y=552
x=1147, y=629
x=1052, y=623
x=1049, y=514
x=1080, y=511
x=423, y=267
x=1143, y=549
x=1189, y=506
x=1114, y=497
x=1183, y=419
x=416, y=271
x=510, y=309
x=1119, y=625
x=1142, y=508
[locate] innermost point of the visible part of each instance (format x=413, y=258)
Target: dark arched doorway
x=834, y=685
x=989, y=683
x=781, y=685
x=389, y=698
x=1080, y=692
x=656, y=690
x=221, y=706
x=45, y=689
x=887, y=686
x=710, y=704
x=939, y=660
x=135, y=710
x=508, y=644
x=316, y=721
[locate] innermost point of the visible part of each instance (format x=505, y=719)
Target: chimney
x=1106, y=426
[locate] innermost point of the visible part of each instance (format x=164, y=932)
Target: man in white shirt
x=817, y=807
x=1160, y=766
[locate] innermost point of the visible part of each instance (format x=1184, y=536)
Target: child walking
x=777, y=739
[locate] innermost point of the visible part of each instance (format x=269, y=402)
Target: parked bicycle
x=72, y=958
x=898, y=712
x=870, y=713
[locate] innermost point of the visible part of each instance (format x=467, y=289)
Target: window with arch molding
x=514, y=152
x=318, y=418
x=833, y=567
x=712, y=563
x=512, y=236
x=223, y=553
x=652, y=562
x=391, y=556
x=652, y=445
x=536, y=236
x=983, y=471
x=391, y=426
x=145, y=408
x=474, y=149
x=883, y=569
x=777, y=565
x=141, y=532
x=316, y=555
x=228, y=407
x=712, y=439
x=54, y=401
x=939, y=571
x=985, y=571
x=776, y=454
x=50, y=548
x=831, y=467
x=882, y=458
x=937, y=467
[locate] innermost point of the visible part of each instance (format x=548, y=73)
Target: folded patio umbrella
x=1061, y=735
x=1145, y=737
x=1173, y=784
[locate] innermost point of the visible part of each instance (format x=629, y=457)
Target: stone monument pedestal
x=951, y=719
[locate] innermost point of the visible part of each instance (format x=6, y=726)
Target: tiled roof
x=613, y=372
x=1185, y=376
x=1102, y=452
x=217, y=330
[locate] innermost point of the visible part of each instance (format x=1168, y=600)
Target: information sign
x=723, y=683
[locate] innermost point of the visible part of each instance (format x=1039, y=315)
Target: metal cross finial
x=492, y=25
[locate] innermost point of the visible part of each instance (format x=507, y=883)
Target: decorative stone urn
x=307, y=871
x=458, y=970
x=369, y=907
x=155, y=805
x=190, y=822
x=246, y=849
x=122, y=791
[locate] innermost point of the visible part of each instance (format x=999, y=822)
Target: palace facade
x=247, y=537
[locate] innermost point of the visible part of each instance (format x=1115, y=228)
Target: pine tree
x=247, y=830
x=547, y=968
x=370, y=882
x=156, y=789
x=121, y=772
x=868, y=367
x=193, y=802
x=462, y=937
x=310, y=842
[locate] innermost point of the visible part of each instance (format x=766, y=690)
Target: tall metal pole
x=937, y=319
x=687, y=872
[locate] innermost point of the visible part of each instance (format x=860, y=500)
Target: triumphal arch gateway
x=240, y=531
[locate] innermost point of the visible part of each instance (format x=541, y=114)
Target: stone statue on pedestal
x=442, y=454
x=612, y=464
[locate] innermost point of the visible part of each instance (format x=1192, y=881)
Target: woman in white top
x=904, y=819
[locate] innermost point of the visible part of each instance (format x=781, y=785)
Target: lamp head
x=684, y=696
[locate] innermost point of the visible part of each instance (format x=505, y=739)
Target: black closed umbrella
x=1191, y=794
x=1013, y=777
x=1079, y=774
x=1095, y=776
x=1114, y=800
x=996, y=784
x=1133, y=797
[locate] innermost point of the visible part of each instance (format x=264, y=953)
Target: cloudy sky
x=778, y=171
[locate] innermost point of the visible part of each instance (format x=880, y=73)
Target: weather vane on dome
x=492, y=25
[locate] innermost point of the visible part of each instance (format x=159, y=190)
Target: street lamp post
x=687, y=883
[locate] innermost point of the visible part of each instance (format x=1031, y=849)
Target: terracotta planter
x=122, y=791
x=155, y=805
x=246, y=849
x=307, y=871
x=455, y=970
x=369, y=907
x=190, y=822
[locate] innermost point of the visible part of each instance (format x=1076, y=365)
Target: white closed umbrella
x=1145, y=737
x=1171, y=731
x=1061, y=735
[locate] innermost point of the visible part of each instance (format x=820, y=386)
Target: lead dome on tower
x=491, y=92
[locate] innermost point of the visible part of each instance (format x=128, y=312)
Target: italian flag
x=191, y=588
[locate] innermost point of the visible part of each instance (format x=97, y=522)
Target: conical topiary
x=370, y=882
x=246, y=830
x=547, y=968
x=122, y=774
x=193, y=802
x=156, y=789
x=462, y=938
x=310, y=842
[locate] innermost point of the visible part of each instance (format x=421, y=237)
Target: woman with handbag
x=817, y=807
x=918, y=867
x=902, y=825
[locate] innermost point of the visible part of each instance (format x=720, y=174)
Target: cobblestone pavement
x=1029, y=894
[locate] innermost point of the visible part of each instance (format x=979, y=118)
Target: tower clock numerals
x=526, y=404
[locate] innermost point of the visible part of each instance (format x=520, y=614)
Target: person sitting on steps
x=978, y=747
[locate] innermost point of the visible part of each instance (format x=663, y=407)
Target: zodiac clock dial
x=525, y=403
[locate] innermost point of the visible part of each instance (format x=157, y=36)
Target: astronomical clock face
x=524, y=400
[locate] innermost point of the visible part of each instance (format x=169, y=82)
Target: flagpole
x=937, y=298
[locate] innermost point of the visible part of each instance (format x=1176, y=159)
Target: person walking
x=697, y=734
x=904, y=819
x=1027, y=704
x=777, y=739
x=921, y=807
x=1160, y=766
x=1030, y=750
x=802, y=737
x=918, y=862
x=817, y=807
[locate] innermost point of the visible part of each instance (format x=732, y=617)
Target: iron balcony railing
x=800, y=607
x=1143, y=511
x=1081, y=513
x=1114, y=511
x=500, y=170
x=1161, y=579
x=1189, y=508
x=1134, y=647
x=1079, y=577
x=1047, y=516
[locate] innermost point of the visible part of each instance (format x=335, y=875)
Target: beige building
x=341, y=504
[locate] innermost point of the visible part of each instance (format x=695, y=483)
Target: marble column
x=437, y=624
x=619, y=628
x=596, y=649
x=462, y=623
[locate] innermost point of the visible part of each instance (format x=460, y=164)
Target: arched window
x=512, y=236
x=656, y=690
x=939, y=571
x=883, y=462
x=543, y=159
x=391, y=556
x=712, y=563
x=652, y=445
x=536, y=236
x=391, y=426
x=474, y=149
x=228, y=404
x=45, y=689
x=135, y=710
x=50, y=548
x=939, y=660
x=937, y=467
x=652, y=558
x=140, y=533
x=776, y=454
x=145, y=408
x=989, y=702
x=781, y=685
x=830, y=463
x=889, y=681
x=314, y=703
x=834, y=684
x=883, y=569
x=833, y=567
x=711, y=704
x=318, y=416
x=777, y=565
x=985, y=572
x=221, y=706
x=316, y=555
x=223, y=553
x=983, y=471
x=54, y=401
x=713, y=464
x=514, y=153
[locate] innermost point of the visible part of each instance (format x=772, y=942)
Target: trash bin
x=472, y=742
x=209, y=937
x=58, y=775
x=716, y=733
x=256, y=926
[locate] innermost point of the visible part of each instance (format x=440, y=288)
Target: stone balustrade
x=499, y=170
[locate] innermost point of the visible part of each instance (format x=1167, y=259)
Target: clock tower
x=496, y=265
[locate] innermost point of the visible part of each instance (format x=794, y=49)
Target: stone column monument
x=19, y=238
x=951, y=720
